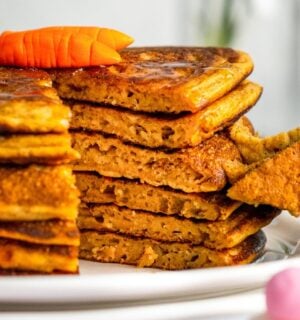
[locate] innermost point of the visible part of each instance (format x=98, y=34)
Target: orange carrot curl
x=54, y=47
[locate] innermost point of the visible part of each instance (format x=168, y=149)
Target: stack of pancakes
x=151, y=132
x=38, y=197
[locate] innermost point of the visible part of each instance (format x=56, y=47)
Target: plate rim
x=120, y=286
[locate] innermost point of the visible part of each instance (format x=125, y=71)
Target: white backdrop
x=149, y=22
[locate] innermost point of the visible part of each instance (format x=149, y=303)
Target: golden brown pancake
x=275, y=181
x=37, y=193
x=197, y=169
x=19, y=255
x=59, y=232
x=165, y=131
x=42, y=149
x=141, y=196
x=110, y=247
x=29, y=104
x=161, y=79
x=38, y=204
x=255, y=148
x=141, y=224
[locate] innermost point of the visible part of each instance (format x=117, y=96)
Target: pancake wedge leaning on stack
x=151, y=135
x=38, y=197
x=275, y=181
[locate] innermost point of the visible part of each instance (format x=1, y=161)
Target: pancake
x=37, y=193
x=255, y=148
x=59, y=232
x=28, y=103
x=141, y=224
x=42, y=149
x=197, y=169
x=161, y=79
x=18, y=255
x=19, y=272
x=141, y=196
x=275, y=182
x=162, y=131
x=110, y=247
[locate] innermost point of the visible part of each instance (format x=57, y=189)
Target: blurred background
x=269, y=30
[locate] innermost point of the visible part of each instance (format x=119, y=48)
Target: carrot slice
x=110, y=37
x=62, y=47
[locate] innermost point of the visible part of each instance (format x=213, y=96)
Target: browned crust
x=64, y=250
x=16, y=272
x=158, y=79
x=57, y=232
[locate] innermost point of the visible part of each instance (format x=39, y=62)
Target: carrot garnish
x=54, y=47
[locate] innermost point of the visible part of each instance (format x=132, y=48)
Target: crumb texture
x=198, y=169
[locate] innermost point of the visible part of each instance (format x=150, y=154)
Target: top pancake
x=29, y=104
x=158, y=79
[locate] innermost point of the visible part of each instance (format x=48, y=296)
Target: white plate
x=108, y=283
x=242, y=306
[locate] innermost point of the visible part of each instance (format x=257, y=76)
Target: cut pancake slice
x=58, y=232
x=135, y=195
x=37, y=193
x=43, y=149
x=275, y=181
x=141, y=224
x=161, y=79
x=254, y=148
x=20, y=272
x=166, y=131
x=197, y=169
x=110, y=247
x=28, y=104
x=23, y=256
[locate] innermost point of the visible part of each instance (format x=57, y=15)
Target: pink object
x=283, y=295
